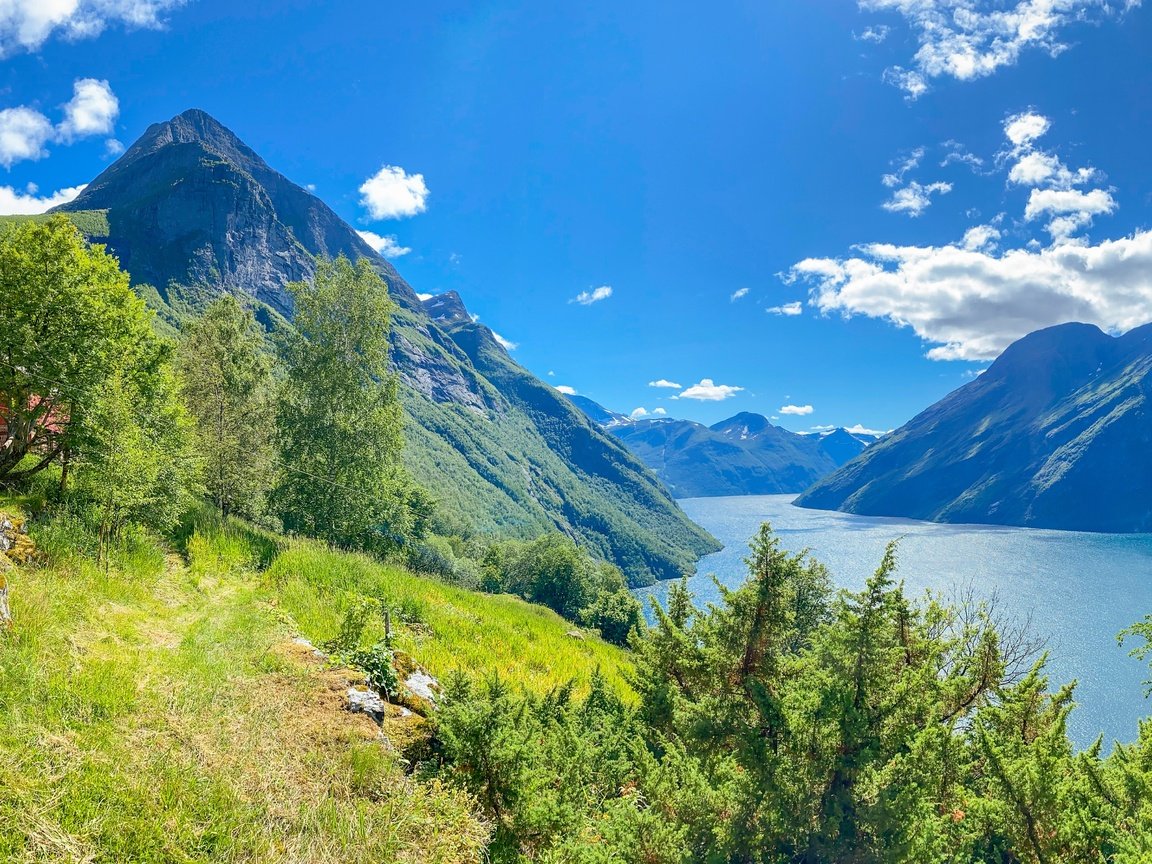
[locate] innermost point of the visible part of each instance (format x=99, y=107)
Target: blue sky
x=906, y=192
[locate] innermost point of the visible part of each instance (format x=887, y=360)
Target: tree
x=227, y=383
x=69, y=318
x=338, y=417
x=138, y=465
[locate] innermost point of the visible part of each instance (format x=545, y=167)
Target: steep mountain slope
x=193, y=211
x=743, y=455
x=1055, y=434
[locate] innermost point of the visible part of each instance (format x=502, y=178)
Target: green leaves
x=338, y=418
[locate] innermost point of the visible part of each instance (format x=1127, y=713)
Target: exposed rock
x=423, y=686
x=366, y=702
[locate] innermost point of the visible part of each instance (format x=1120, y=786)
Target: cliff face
x=194, y=211
x=1057, y=433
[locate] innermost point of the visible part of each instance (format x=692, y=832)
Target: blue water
x=1079, y=590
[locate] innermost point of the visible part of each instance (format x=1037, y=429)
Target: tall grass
x=151, y=712
x=447, y=628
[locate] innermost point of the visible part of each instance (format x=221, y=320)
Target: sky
x=828, y=212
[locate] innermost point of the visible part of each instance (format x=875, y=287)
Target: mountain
x=743, y=455
x=192, y=211
x=1057, y=433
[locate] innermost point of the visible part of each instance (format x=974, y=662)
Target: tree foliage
x=792, y=723
x=70, y=323
x=226, y=375
x=338, y=417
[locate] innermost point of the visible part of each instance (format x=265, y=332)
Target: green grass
x=93, y=224
x=157, y=710
x=446, y=629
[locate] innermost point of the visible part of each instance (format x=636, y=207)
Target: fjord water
x=1079, y=589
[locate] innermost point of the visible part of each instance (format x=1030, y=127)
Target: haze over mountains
x=192, y=211
x=1057, y=433
x=743, y=455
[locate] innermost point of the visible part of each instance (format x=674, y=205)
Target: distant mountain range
x=1057, y=433
x=743, y=455
x=191, y=211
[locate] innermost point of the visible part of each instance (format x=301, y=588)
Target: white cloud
x=901, y=167
x=1024, y=128
x=587, y=298
x=566, y=390
x=551, y=374
x=709, y=391
x=506, y=344
x=958, y=154
x=970, y=39
x=874, y=34
x=796, y=410
x=92, y=110
x=113, y=148
x=393, y=193
x=915, y=198
x=15, y=203
x=660, y=411
x=981, y=238
x=789, y=309
x=387, y=244
x=972, y=304
x=1072, y=208
x=28, y=24
x=664, y=382
x=736, y=295
x=638, y=413
x=24, y=133
x=423, y=297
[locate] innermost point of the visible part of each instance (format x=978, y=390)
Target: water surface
x=1079, y=589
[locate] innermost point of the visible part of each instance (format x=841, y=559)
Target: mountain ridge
x=194, y=212
x=746, y=454
x=1054, y=434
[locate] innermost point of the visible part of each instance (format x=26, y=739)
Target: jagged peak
x=447, y=308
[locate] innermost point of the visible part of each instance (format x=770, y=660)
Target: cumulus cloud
x=736, y=295
x=393, y=193
x=788, y=309
x=506, y=344
x=664, y=382
x=981, y=238
x=92, y=110
x=796, y=410
x=638, y=413
x=659, y=411
x=28, y=203
x=972, y=303
x=915, y=198
x=566, y=390
x=1024, y=128
x=970, y=39
x=387, y=244
x=25, y=25
x=587, y=298
x=709, y=391
x=1071, y=208
x=24, y=133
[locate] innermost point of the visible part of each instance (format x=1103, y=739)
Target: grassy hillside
x=93, y=223
x=157, y=709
